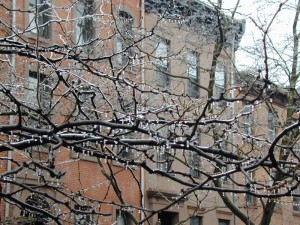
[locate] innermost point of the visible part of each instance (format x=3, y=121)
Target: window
x=248, y=181
x=296, y=149
x=219, y=79
x=42, y=96
x=125, y=37
x=123, y=218
x=195, y=220
x=162, y=50
x=163, y=156
x=247, y=119
x=192, y=71
x=34, y=217
x=83, y=218
x=296, y=204
x=195, y=164
x=163, y=160
x=271, y=125
x=223, y=146
x=125, y=151
x=39, y=17
x=296, y=200
x=84, y=21
x=224, y=222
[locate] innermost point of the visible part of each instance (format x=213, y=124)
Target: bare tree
x=94, y=104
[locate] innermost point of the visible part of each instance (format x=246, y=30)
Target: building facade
x=102, y=133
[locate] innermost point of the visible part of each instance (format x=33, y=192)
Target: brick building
x=104, y=61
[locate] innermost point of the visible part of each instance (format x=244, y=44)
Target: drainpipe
x=142, y=2
x=13, y=63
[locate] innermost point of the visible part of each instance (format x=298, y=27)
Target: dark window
x=82, y=216
x=195, y=164
x=195, y=220
x=39, y=17
x=125, y=151
x=224, y=222
x=192, y=71
x=296, y=201
x=84, y=21
x=34, y=217
x=123, y=218
x=248, y=184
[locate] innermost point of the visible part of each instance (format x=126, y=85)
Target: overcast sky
x=262, y=12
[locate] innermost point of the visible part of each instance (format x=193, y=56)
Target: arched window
x=34, y=217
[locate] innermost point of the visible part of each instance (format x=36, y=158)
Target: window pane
x=125, y=37
x=192, y=71
x=84, y=22
x=39, y=15
x=271, y=125
x=224, y=222
x=247, y=119
x=195, y=220
x=220, y=75
x=162, y=64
